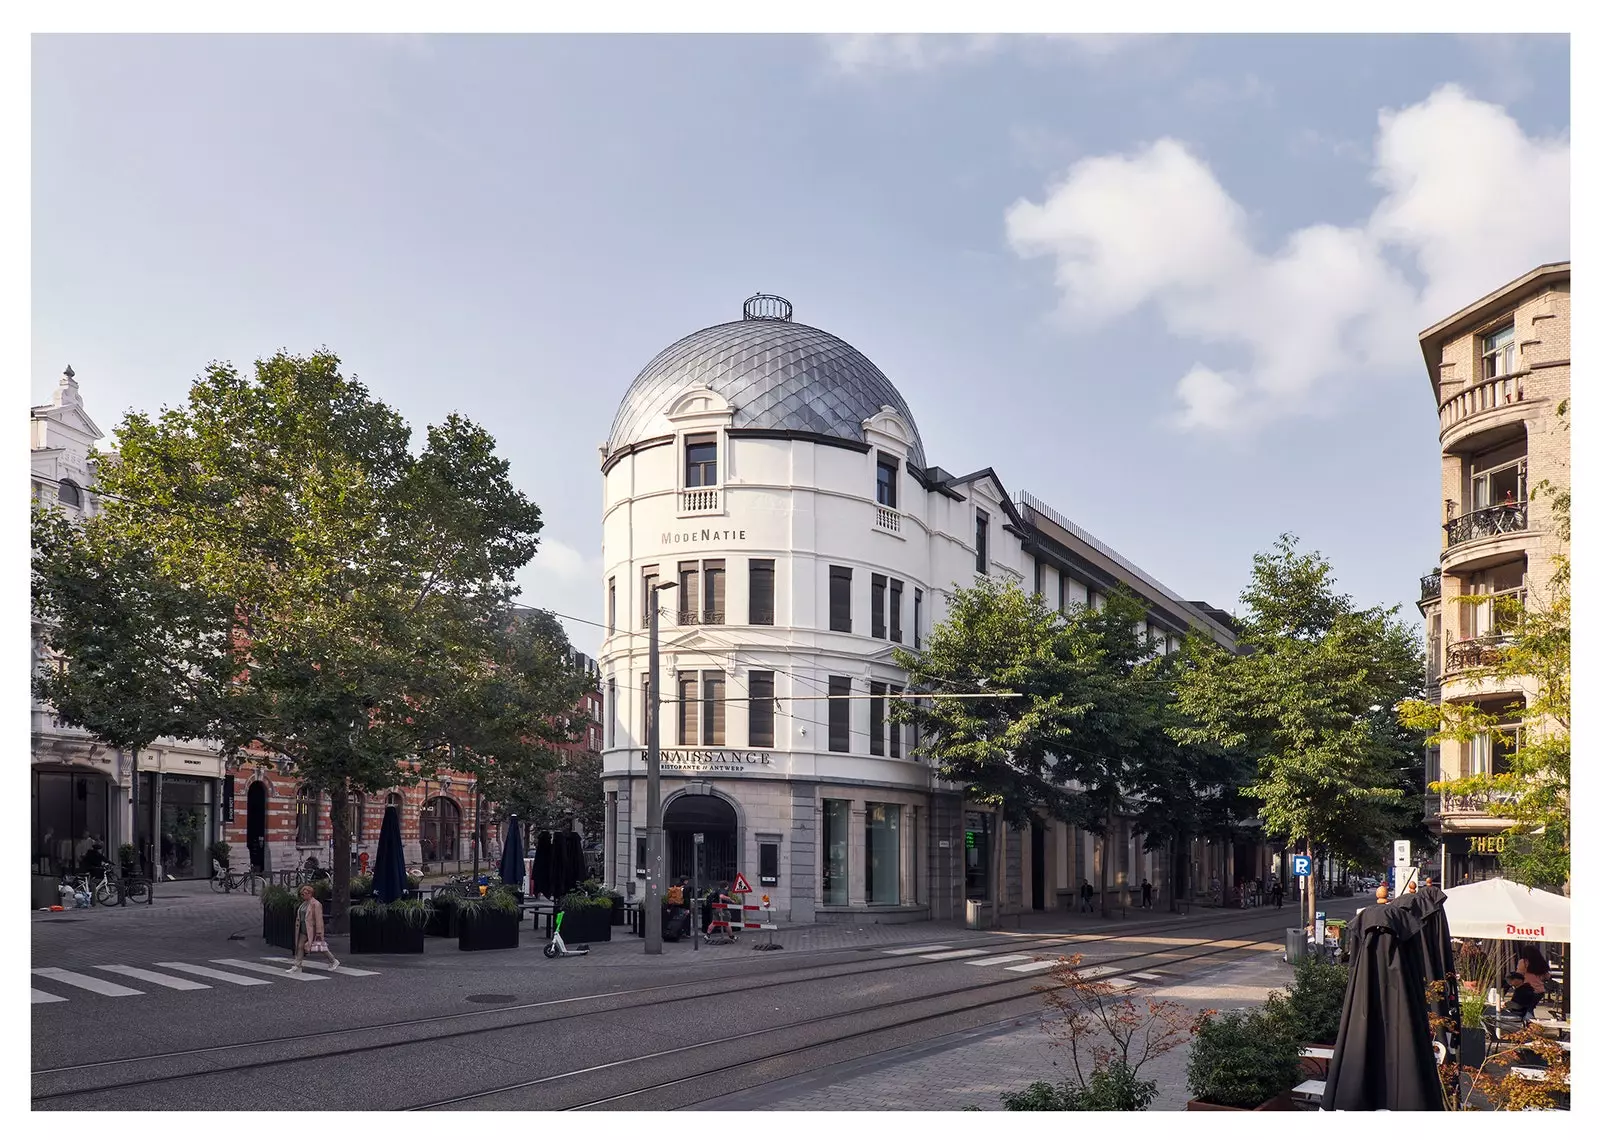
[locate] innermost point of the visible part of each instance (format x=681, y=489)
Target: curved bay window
x=307, y=821
x=440, y=830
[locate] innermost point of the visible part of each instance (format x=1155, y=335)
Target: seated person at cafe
x=1521, y=998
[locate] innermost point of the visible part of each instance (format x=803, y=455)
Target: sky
x=1171, y=285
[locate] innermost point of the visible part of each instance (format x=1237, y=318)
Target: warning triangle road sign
x=741, y=885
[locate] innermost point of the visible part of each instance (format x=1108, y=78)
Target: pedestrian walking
x=1085, y=898
x=1277, y=893
x=309, y=933
x=1144, y=894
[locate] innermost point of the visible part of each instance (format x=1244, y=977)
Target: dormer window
x=700, y=461
x=888, y=481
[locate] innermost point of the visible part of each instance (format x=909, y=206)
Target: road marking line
x=1031, y=967
x=85, y=982
x=948, y=954
x=156, y=979
x=41, y=996
x=997, y=961
x=1121, y=984
x=241, y=964
x=1147, y=977
x=1097, y=971
x=919, y=949
x=331, y=969
x=208, y=972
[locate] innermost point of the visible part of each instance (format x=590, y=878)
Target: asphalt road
x=512, y=1030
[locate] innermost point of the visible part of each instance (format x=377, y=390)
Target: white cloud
x=563, y=579
x=1467, y=197
x=1214, y=92
x=860, y=54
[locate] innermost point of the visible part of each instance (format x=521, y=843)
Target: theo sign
x=714, y=760
x=1301, y=866
x=1402, y=852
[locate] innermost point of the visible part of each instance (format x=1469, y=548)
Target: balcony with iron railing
x=1475, y=805
x=1492, y=395
x=1475, y=653
x=1488, y=522
x=1430, y=585
x=698, y=501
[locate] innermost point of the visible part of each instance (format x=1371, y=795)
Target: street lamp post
x=655, y=845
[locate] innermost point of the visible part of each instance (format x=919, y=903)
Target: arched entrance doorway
x=255, y=824
x=716, y=820
x=440, y=830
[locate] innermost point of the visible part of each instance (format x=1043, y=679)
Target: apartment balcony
x=699, y=501
x=1430, y=586
x=888, y=520
x=1484, y=406
x=1476, y=653
x=1484, y=537
x=1459, y=810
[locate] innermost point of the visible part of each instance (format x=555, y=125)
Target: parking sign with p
x=1302, y=866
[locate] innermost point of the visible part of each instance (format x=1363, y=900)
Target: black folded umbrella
x=543, y=853
x=1384, y=1056
x=576, y=869
x=512, y=870
x=389, y=869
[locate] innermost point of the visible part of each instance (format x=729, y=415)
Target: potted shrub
x=127, y=856
x=395, y=928
x=443, y=916
x=1315, y=1005
x=614, y=897
x=1115, y=1088
x=1473, y=1044
x=491, y=921
x=1244, y=1061
x=360, y=887
x=587, y=919
x=278, y=906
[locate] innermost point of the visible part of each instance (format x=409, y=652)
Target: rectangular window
x=839, y=599
x=883, y=854
x=1061, y=606
x=839, y=714
x=715, y=723
x=1502, y=486
x=767, y=863
x=762, y=701
x=880, y=587
x=611, y=606
x=644, y=712
x=688, y=709
x=763, y=597
x=688, y=593
x=916, y=619
x=982, y=541
x=1038, y=579
x=611, y=713
x=652, y=578
x=896, y=593
x=715, y=612
x=894, y=736
x=700, y=461
x=875, y=718
x=641, y=856
x=888, y=481
x=835, y=852
x=1500, y=352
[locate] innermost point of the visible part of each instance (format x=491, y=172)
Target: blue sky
x=1171, y=285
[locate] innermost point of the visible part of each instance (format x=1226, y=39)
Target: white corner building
x=777, y=477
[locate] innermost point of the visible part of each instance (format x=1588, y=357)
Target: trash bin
x=980, y=916
x=1294, y=944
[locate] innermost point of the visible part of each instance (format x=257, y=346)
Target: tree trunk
x=1311, y=885
x=1175, y=873
x=339, y=899
x=1105, y=860
x=997, y=871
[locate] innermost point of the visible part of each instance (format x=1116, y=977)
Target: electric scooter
x=559, y=949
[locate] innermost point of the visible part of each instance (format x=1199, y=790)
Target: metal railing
x=699, y=500
x=1477, y=804
x=1477, y=653
x=1504, y=518
x=1430, y=586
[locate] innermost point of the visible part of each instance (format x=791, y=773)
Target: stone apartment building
x=1500, y=370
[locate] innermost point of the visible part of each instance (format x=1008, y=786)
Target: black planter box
x=277, y=927
x=617, y=916
x=388, y=934
x=443, y=920
x=1472, y=1048
x=485, y=929
x=591, y=924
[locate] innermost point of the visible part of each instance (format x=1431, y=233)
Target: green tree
x=1534, y=792
x=1000, y=750
x=365, y=584
x=1313, y=700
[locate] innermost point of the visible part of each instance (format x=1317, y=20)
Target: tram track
x=702, y=989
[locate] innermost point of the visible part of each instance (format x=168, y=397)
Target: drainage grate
x=490, y=999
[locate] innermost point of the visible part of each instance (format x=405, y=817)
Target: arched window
x=307, y=810
x=440, y=830
x=69, y=494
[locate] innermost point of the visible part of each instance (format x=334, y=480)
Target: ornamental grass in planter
x=1244, y=1062
x=587, y=917
x=393, y=928
x=492, y=921
x=1474, y=1039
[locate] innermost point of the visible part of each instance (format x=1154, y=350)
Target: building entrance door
x=716, y=820
x=1038, y=867
x=255, y=824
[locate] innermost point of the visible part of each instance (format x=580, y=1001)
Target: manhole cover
x=490, y=999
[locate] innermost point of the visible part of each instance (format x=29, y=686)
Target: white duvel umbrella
x=1499, y=908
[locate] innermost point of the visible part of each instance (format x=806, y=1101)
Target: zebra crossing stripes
x=947, y=954
x=86, y=982
x=154, y=978
x=340, y=969
x=1031, y=967
x=160, y=976
x=275, y=971
x=918, y=949
x=41, y=996
x=215, y=975
x=1023, y=963
x=999, y=960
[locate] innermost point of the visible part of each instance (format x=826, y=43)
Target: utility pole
x=655, y=839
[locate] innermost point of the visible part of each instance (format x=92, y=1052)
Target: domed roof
x=776, y=374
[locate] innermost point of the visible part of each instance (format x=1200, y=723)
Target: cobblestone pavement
x=979, y=1066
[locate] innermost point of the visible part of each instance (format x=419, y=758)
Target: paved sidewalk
x=978, y=1066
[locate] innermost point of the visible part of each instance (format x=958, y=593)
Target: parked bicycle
x=102, y=886
x=226, y=881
